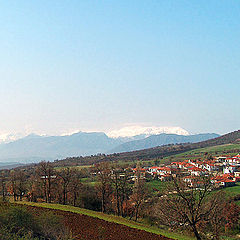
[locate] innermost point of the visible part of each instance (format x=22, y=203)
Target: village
x=224, y=171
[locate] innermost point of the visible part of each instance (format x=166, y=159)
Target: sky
x=100, y=65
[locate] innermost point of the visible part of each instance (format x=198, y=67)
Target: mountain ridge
x=35, y=148
x=162, y=139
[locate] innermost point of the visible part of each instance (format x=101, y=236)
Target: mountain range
x=35, y=148
x=162, y=139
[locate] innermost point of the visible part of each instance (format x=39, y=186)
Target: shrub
x=17, y=223
x=52, y=227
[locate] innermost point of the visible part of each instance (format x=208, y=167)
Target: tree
x=116, y=188
x=217, y=218
x=103, y=173
x=125, y=192
x=121, y=188
x=18, y=184
x=140, y=192
x=21, y=183
x=13, y=181
x=46, y=175
x=186, y=204
x=34, y=188
x=75, y=186
x=3, y=180
x=232, y=214
x=66, y=176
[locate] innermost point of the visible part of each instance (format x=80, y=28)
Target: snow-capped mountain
x=10, y=137
x=131, y=131
x=34, y=148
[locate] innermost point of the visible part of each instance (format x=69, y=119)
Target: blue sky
x=99, y=65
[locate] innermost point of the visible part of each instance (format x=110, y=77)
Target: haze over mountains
x=136, y=130
x=35, y=148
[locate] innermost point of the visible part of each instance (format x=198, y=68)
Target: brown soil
x=89, y=228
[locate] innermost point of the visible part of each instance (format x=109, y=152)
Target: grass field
x=157, y=185
x=233, y=191
x=227, y=149
x=111, y=218
x=74, y=167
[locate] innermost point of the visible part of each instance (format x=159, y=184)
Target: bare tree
x=46, y=174
x=116, y=187
x=139, y=194
x=185, y=204
x=66, y=176
x=103, y=172
x=75, y=186
x=21, y=183
x=13, y=180
x=18, y=184
x=217, y=218
x=3, y=181
x=125, y=191
x=34, y=188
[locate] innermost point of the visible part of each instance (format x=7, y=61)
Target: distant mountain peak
x=131, y=131
x=9, y=137
x=33, y=135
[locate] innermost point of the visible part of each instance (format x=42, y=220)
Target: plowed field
x=89, y=228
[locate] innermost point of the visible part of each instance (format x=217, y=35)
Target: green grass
x=73, y=167
x=157, y=184
x=110, y=218
x=215, y=151
x=232, y=191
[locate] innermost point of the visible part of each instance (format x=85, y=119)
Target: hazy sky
x=99, y=65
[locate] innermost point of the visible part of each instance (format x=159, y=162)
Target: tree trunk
x=103, y=202
x=74, y=199
x=196, y=232
x=136, y=213
x=64, y=195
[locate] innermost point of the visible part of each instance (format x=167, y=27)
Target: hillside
x=82, y=220
x=230, y=149
x=162, y=139
x=9, y=165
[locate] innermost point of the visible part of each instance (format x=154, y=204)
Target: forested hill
x=151, y=153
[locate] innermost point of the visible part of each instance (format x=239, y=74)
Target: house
x=165, y=178
x=210, y=166
x=46, y=177
x=229, y=169
x=226, y=183
x=237, y=173
x=221, y=159
x=159, y=170
x=138, y=173
x=195, y=171
x=224, y=180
